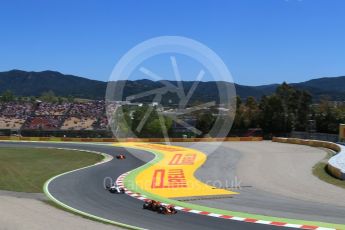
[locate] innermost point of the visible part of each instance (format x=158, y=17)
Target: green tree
x=205, y=121
x=60, y=100
x=121, y=122
x=302, y=110
x=7, y=96
x=296, y=106
x=327, y=116
x=272, y=114
x=247, y=115
x=250, y=113
x=49, y=96
x=70, y=99
x=32, y=99
x=238, y=120
x=238, y=102
x=152, y=125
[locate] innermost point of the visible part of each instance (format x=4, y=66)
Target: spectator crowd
x=88, y=115
x=45, y=108
x=14, y=115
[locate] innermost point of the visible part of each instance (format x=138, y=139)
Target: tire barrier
x=68, y=139
x=336, y=164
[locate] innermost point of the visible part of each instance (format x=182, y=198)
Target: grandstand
x=11, y=123
x=52, y=109
x=13, y=115
x=75, y=123
x=43, y=122
x=19, y=116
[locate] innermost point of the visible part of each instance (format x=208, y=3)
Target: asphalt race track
x=292, y=191
x=83, y=190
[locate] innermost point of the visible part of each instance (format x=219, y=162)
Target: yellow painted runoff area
x=173, y=175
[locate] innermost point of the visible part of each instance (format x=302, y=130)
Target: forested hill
x=23, y=83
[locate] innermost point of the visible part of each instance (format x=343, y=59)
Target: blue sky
x=261, y=41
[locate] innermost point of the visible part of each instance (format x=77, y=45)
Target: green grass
x=320, y=171
x=27, y=169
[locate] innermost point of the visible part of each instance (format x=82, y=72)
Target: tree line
x=47, y=96
x=288, y=109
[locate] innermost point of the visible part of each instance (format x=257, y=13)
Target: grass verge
x=27, y=169
x=320, y=171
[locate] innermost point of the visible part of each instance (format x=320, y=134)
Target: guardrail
x=68, y=139
x=335, y=166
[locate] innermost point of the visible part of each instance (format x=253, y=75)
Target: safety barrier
x=335, y=166
x=70, y=139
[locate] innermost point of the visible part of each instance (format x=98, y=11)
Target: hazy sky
x=261, y=41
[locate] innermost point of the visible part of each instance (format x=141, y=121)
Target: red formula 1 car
x=120, y=157
x=160, y=208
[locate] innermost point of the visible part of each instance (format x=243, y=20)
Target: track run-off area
x=174, y=175
x=171, y=174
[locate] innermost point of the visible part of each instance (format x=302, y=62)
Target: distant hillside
x=24, y=83
x=333, y=87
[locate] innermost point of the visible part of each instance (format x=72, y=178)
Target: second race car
x=159, y=207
